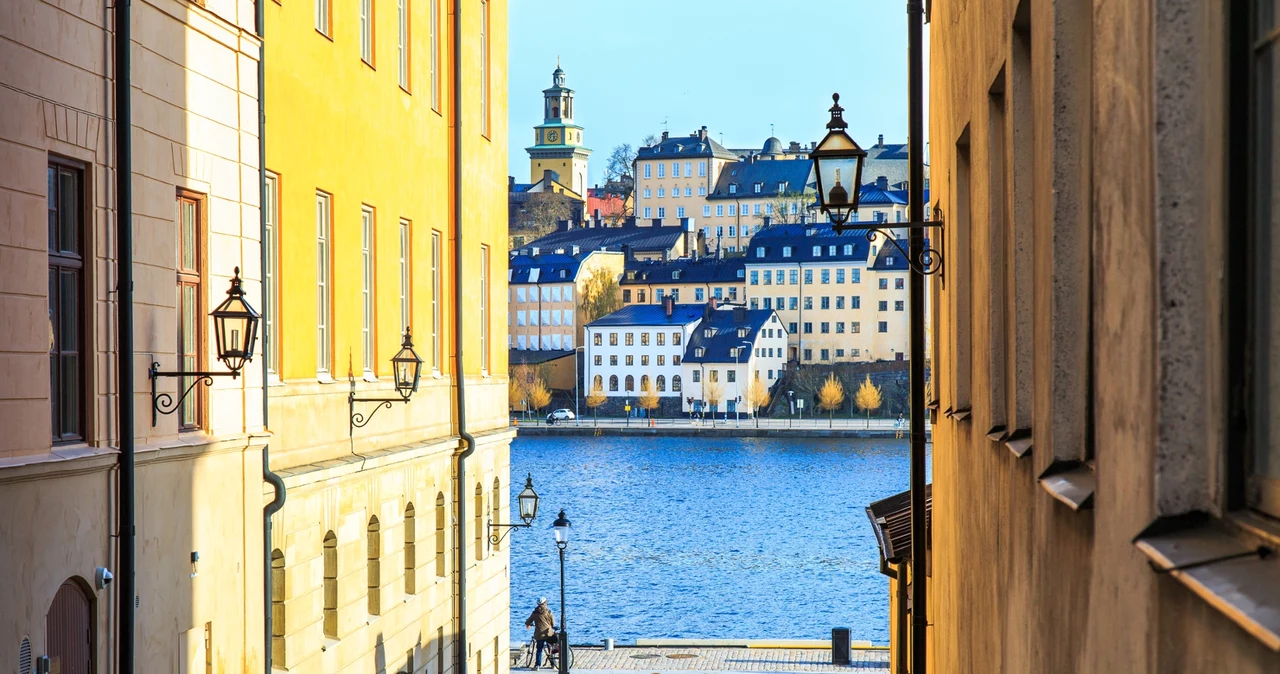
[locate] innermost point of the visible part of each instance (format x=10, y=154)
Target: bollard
x=841, y=646
x=608, y=644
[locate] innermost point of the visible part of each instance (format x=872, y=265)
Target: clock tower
x=557, y=140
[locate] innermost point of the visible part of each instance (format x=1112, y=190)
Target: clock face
x=552, y=136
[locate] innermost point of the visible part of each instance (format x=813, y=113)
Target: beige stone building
x=1104, y=463
x=195, y=204
x=688, y=280
x=546, y=294
x=675, y=175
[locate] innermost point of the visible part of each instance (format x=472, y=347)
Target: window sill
x=370, y=377
x=1245, y=589
x=961, y=415
x=997, y=434
x=1019, y=442
x=325, y=378
x=1071, y=482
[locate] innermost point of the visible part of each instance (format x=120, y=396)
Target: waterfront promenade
x=662, y=660
x=818, y=427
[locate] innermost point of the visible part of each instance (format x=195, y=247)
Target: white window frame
x=322, y=14
x=366, y=31
x=484, y=309
x=367, y=350
x=437, y=277
x=324, y=284
x=406, y=276
x=271, y=275
x=402, y=42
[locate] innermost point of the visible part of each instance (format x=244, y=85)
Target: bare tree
x=541, y=213
x=789, y=206
x=650, y=140
x=620, y=162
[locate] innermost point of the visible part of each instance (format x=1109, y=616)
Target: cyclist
x=543, y=622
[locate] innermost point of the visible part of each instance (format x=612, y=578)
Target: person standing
x=543, y=622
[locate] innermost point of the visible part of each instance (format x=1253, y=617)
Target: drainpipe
x=901, y=617
x=468, y=441
x=124, y=324
x=278, y=502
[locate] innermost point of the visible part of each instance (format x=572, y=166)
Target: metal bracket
x=359, y=420
x=930, y=260
x=163, y=403
x=495, y=538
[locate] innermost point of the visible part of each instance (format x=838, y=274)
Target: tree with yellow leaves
x=868, y=398
x=831, y=397
x=595, y=399
x=539, y=396
x=713, y=393
x=757, y=397
x=648, y=399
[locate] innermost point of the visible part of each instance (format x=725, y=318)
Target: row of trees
x=831, y=398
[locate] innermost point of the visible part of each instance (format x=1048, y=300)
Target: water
x=729, y=538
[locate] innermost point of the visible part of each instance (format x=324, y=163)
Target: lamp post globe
x=407, y=366
x=837, y=164
x=235, y=327
x=528, y=500
x=561, y=529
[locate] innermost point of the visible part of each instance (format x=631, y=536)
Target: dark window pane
x=68, y=212
x=188, y=320
x=68, y=311
x=53, y=208
x=188, y=235
x=70, y=372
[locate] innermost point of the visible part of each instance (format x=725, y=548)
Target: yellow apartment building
x=674, y=176
x=546, y=293
x=195, y=218
x=376, y=183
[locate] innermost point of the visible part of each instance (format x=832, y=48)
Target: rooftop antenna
x=722, y=138
x=664, y=125
x=771, y=130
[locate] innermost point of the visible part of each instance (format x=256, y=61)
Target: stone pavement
x=663, y=660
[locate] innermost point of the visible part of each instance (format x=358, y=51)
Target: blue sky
x=736, y=66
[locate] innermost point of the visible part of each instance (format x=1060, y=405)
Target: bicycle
x=552, y=651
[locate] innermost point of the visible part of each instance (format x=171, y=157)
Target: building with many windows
x=547, y=293
x=755, y=192
x=729, y=349
x=841, y=296
x=667, y=240
x=639, y=346
x=675, y=175
x=689, y=280
x=374, y=235
x=195, y=226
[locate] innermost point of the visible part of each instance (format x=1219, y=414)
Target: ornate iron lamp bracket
x=163, y=403
x=495, y=538
x=930, y=260
x=359, y=419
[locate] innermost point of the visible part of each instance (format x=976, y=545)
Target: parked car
x=560, y=415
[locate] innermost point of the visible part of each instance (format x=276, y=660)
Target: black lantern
x=408, y=367
x=235, y=330
x=235, y=326
x=837, y=163
x=561, y=529
x=528, y=500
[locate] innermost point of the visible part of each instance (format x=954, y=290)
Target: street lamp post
x=791, y=400
x=561, y=529
x=737, y=406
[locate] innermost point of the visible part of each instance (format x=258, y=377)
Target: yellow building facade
x=558, y=140
x=364, y=208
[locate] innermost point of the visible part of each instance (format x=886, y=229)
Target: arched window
x=662, y=383
x=613, y=382
x=440, y=535
x=495, y=504
x=331, y=585
x=478, y=517
x=373, y=568
x=410, y=550
x=277, y=608
x=644, y=382
x=598, y=383
x=630, y=383
x=675, y=383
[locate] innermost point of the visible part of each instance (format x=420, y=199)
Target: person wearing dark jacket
x=543, y=622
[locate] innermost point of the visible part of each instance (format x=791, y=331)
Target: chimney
x=702, y=133
x=664, y=135
x=669, y=305
x=882, y=182
x=880, y=143
x=564, y=225
x=626, y=253
x=657, y=222
x=711, y=303
x=548, y=175
x=533, y=250
x=768, y=220
x=576, y=250
x=511, y=183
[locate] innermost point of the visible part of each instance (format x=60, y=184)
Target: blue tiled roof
x=641, y=239
x=548, y=266
x=650, y=314
x=702, y=270
x=794, y=172
x=802, y=239
x=889, y=258
x=874, y=196
x=725, y=324
x=685, y=146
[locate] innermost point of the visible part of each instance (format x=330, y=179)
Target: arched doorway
x=69, y=630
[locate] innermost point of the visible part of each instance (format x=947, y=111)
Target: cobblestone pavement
x=662, y=660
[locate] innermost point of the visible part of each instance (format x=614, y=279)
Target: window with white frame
x=406, y=276
x=323, y=14
x=706, y=211
x=702, y=169
x=402, y=42
x=366, y=31
x=437, y=305
x=271, y=275
x=366, y=287
x=324, y=299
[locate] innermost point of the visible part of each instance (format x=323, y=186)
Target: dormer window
x=848, y=249
x=759, y=187
x=759, y=251
x=733, y=188
x=831, y=250
x=742, y=273
x=709, y=332
x=675, y=275
x=782, y=187
x=888, y=259
x=564, y=273
x=817, y=251
x=699, y=352
x=742, y=332
x=631, y=276
x=786, y=251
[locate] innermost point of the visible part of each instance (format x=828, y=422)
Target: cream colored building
x=689, y=280
x=841, y=297
x=195, y=218
x=754, y=192
x=674, y=176
x=545, y=297
x=1107, y=178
